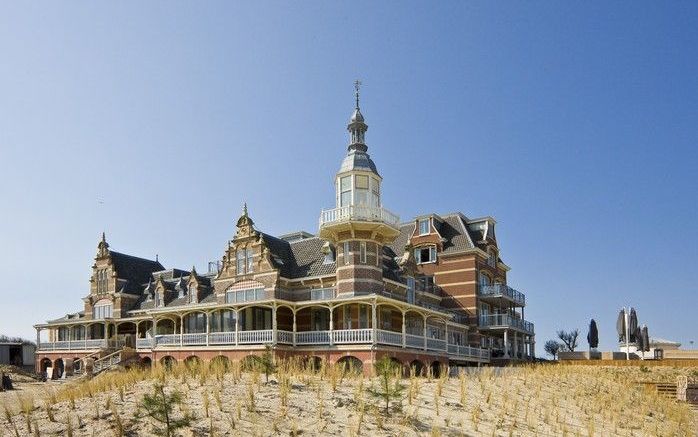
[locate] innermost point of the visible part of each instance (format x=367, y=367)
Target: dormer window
x=329, y=255
x=192, y=293
x=425, y=254
x=492, y=258
x=423, y=226
x=158, y=300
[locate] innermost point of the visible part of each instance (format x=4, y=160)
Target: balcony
x=359, y=213
x=74, y=345
x=494, y=321
x=365, y=336
x=503, y=291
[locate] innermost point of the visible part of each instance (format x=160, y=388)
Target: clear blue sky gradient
x=573, y=125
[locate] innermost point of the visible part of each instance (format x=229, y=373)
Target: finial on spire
x=244, y=209
x=357, y=87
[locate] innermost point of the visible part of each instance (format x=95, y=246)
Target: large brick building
x=427, y=291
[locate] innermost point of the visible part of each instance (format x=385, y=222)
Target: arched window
x=483, y=279
x=103, y=309
x=492, y=257
x=245, y=291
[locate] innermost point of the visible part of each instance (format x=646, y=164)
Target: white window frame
x=362, y=252
x=432, y=254
x=419, y=226
x=346, y=252
x=103, y=311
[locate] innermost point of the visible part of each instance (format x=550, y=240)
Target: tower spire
x=357, y=128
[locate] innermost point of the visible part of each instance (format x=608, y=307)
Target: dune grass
x=537, y=400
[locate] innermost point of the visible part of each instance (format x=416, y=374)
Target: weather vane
x=357, y=86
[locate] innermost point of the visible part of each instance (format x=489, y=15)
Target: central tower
x=358, y=226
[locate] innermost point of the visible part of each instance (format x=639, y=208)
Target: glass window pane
x=361, y=182
x=345, y=183
x=345, y=199
x=361, y=197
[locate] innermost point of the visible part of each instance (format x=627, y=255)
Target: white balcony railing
x=255, y=337
x=75, y=345
x=358, y=212
x=352, y=336
x=221, y=338
x=313, y=337
x=316, y=338
x=389, y=337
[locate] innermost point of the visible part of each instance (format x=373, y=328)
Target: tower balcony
x=359, y=217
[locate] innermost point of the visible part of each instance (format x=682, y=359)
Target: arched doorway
x=221, y=362
x=146, y=362
x=168, y=362
x=350, y=364
x=435, y=369
x=58, y=368
x=250, y=362
x=192, y=362
x=44, y=364
x=417, y=367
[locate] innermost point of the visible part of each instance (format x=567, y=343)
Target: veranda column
x=208, y=327
x=237, y=322
x=136, y=342
x=181, y=330
x=533, y=346
x=506, y=343
x=446, y=325
x=294, y=328
x=274, y=324
x=404, y=331
x=70, y=336
x=331, y=326
x=153, y=340
x=374, y=322
x=516, y=345
x=425, y=332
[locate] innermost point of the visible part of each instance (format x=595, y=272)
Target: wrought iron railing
x=496, y=290
x=505, y=321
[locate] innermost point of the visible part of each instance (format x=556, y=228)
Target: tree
x=266, y=362
x=389, y=387
x=569, y=339
x=552, y=347
x=160, y=406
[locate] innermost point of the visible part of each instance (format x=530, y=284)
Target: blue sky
x=573, y=125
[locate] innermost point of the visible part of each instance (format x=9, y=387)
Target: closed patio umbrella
x=620, y=325
x=632, y=325
x=645, y=339
x=593, y=335
x=638, y=339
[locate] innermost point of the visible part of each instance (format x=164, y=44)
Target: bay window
x=426, y=254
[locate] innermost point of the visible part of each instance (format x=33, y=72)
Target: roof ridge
x=135, y=257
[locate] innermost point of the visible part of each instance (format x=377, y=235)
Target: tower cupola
x=357, y=183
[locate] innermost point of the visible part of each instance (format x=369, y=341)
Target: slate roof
x=135, y=270
x=455, y=232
